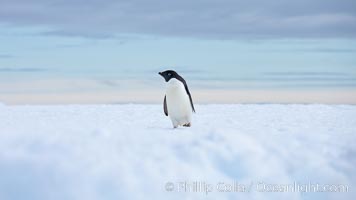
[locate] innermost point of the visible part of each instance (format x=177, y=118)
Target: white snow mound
x=132, y=152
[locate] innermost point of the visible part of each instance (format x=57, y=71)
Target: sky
x=112, y=34
x=204, y=40
x=216, y=19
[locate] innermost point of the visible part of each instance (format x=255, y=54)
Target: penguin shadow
x=179, y=129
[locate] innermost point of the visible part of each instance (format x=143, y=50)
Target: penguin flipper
x=165, y=106
x=190, y=96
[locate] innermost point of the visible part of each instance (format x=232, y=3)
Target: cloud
x=217, y=19
x=8, y=69
x=312, y=50
x=6, y=56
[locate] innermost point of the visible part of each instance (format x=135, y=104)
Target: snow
x=131, y=151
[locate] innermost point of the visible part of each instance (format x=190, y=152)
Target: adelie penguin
x=178, y=103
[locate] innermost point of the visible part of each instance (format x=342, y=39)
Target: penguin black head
x=169, y=74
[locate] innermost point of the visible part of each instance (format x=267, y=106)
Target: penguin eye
x=169, y=74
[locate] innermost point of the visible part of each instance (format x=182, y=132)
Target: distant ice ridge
x=132, y=152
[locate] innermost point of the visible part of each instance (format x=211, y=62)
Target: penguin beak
x=160, y=73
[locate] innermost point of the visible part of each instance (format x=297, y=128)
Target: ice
x=131, y=151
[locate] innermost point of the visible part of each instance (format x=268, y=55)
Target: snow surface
x=131, y=151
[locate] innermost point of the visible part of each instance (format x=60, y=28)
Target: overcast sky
x=103, y=36
x=217, y=19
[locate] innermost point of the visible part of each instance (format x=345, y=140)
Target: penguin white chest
x=178, y=103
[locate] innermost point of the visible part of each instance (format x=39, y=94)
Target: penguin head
x=169, y=74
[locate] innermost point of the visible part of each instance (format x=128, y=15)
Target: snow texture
x=131, y=151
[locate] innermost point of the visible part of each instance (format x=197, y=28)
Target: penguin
x=177, y=103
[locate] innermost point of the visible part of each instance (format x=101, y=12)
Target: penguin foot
x=187, y=125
